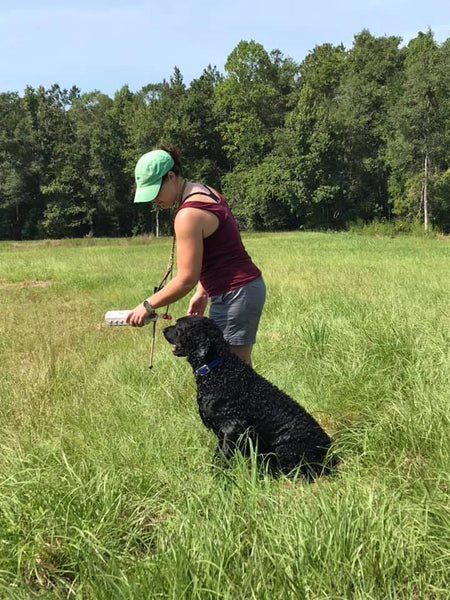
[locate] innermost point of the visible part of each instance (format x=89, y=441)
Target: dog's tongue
x=174, y=349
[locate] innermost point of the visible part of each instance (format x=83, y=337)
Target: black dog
x=234, y=400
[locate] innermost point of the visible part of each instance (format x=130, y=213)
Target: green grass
x=107, y=489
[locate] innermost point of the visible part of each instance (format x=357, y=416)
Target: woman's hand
x=136, y=316
x=197, y=304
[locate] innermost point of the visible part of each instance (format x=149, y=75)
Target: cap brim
x=147, y=193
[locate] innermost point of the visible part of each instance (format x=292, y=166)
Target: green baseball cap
x=149, y=171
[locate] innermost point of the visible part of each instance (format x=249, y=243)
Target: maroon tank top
x=226, y=265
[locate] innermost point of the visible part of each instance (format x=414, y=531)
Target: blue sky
x=104, y=44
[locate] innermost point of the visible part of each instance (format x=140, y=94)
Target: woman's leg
x=243, y=352
x=237, y=313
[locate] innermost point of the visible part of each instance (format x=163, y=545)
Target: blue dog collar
x=205, y=369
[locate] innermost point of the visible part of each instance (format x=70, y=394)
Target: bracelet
x=148, y=307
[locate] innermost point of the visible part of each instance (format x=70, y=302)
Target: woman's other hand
x=197, y=304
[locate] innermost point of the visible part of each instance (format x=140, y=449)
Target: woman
x=210, y=253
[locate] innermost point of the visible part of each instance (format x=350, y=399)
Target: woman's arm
x=189, y=236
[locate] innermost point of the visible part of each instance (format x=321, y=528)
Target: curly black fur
x=235, y=402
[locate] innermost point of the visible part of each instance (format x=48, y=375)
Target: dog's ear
x=216, y=339
x=217, y=346
x=203, y=347
x=205, y=334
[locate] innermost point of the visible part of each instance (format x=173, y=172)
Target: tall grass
x=107, y=488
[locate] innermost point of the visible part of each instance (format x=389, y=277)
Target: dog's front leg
x=228, y=437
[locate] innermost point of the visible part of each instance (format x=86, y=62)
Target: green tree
x=36, y=133
x=372, y=70
x=202, y=148
x=15, y=186
x=310, y=144
x=90, y=188
x=250, y=103
x=418, y=150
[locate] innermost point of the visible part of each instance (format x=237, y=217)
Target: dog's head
x=197, y=338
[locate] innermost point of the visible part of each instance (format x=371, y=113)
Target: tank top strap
x=211, y=194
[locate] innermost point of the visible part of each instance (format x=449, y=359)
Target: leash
x=168, y=273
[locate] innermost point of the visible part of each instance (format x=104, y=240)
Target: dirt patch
x=26, y=284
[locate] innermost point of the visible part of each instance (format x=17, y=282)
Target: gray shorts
x=237, y=313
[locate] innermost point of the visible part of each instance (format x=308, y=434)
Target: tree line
x=344, y=136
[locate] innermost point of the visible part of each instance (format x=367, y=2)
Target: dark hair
x=175, y=154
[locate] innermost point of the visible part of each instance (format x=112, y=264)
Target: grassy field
x=107, y=489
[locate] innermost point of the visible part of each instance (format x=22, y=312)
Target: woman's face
x=168, y=192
